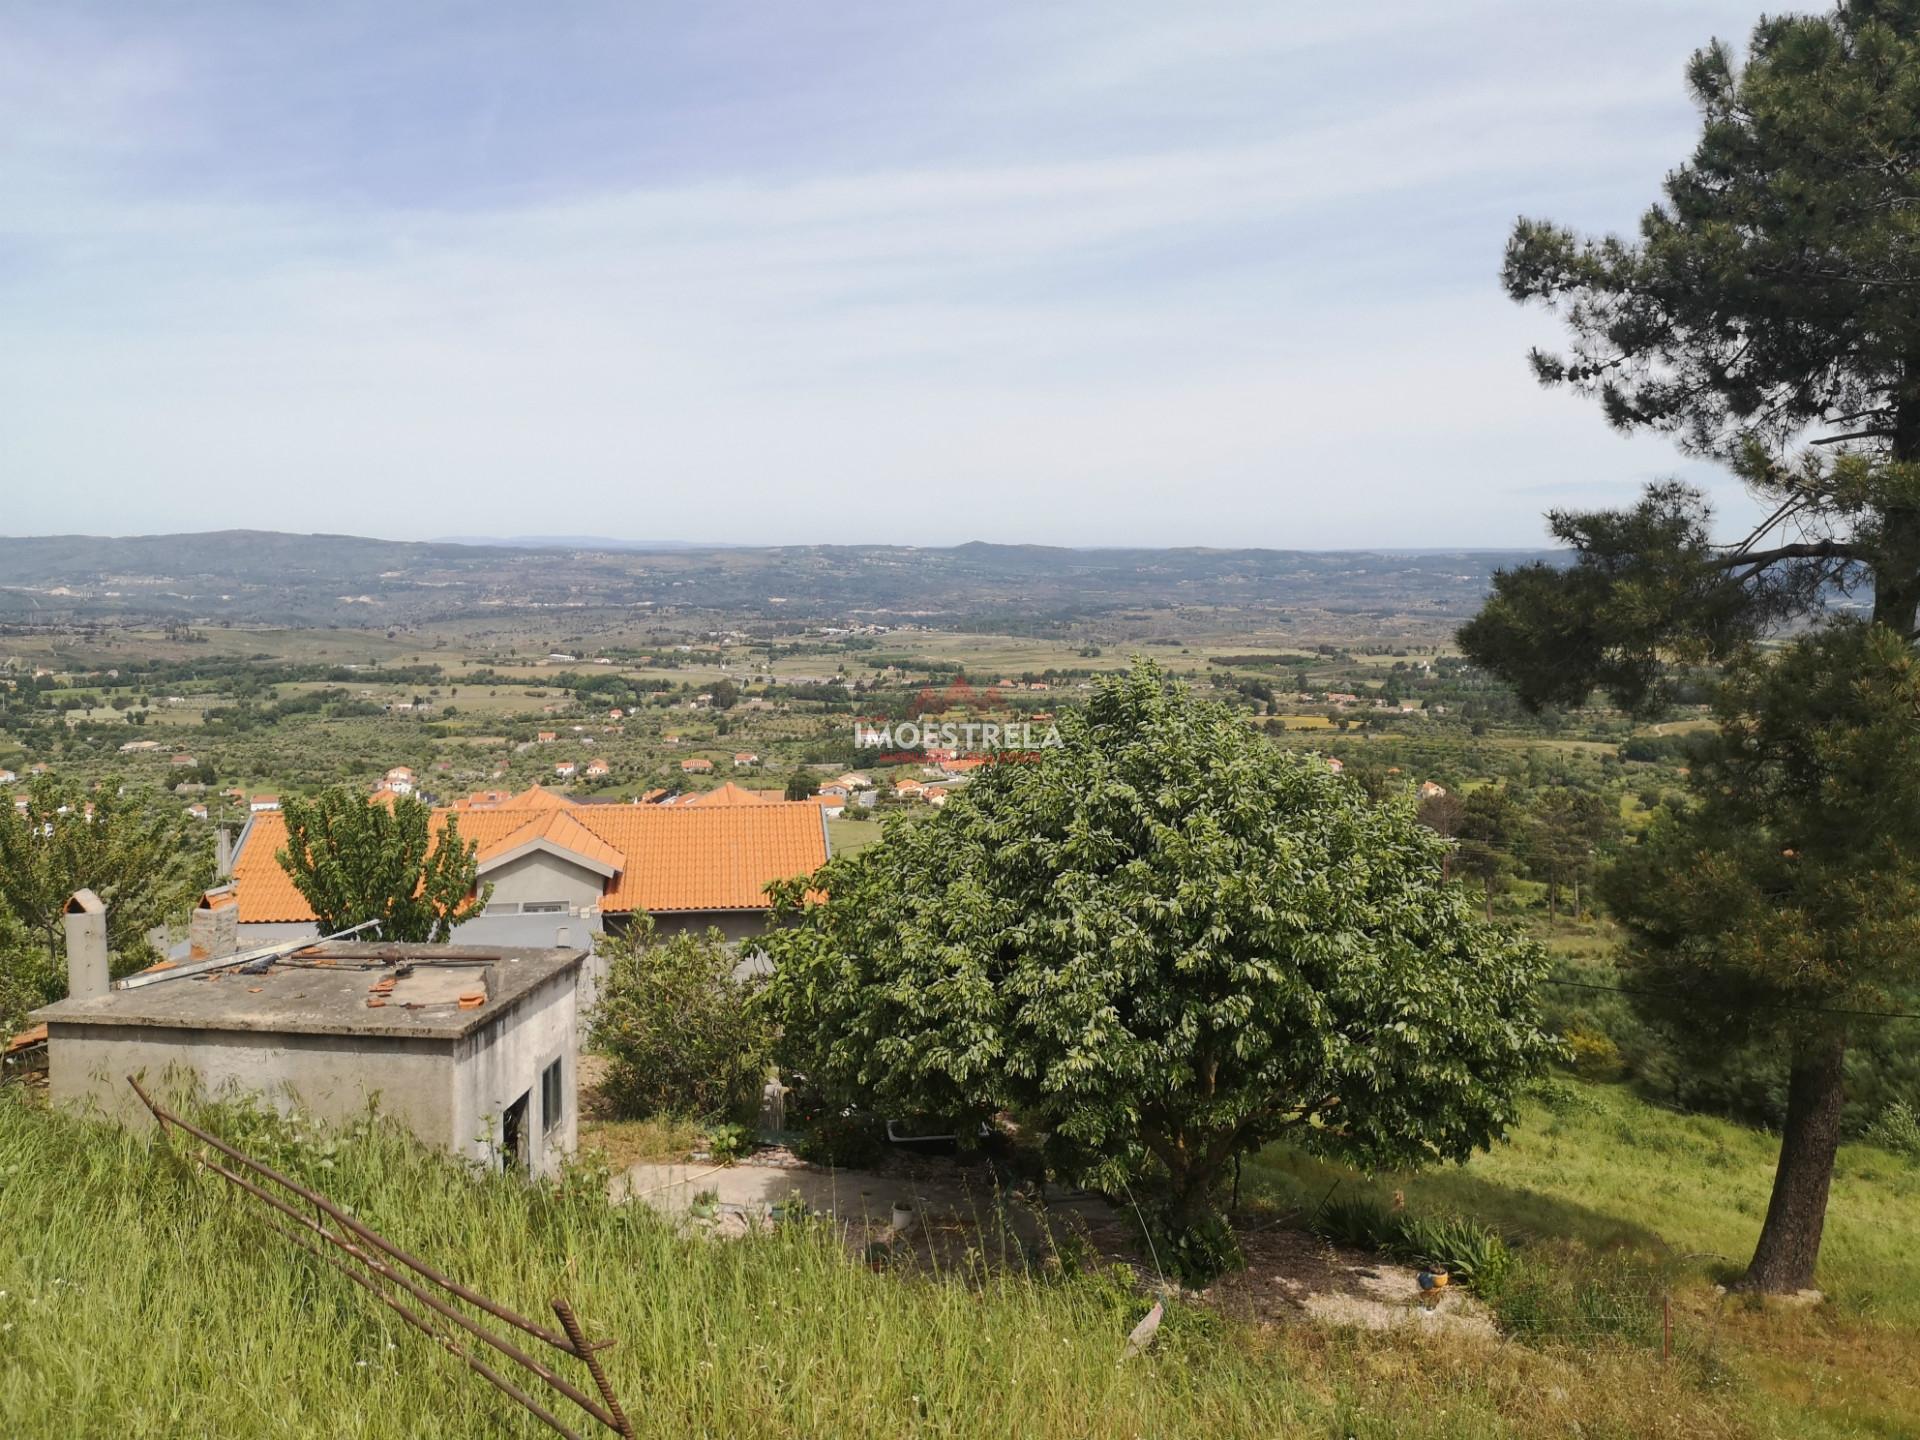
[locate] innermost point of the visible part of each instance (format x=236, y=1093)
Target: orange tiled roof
x=732, y=794
x=681, y=857
x=558, y=828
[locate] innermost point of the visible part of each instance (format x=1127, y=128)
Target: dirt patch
x=1292, y=1277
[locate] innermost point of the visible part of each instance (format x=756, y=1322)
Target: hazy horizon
x=1093, y=276
x=668, y=545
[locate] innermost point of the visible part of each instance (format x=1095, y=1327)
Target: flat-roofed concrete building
x=473, y=1048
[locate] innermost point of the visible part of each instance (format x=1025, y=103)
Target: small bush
x=1896, y=1128
x=1357, y=1224
x=848, y=1138
x=680, y=1033
x=1470, y=1253
x=1593, y=1054
x=728, y=1141
x=1196, y=1252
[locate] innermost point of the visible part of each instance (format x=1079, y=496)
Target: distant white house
x=263, y=802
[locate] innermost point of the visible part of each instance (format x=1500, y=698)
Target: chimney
x=213, y=931
x=86, y=922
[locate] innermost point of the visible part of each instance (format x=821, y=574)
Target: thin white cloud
x=1289, y=338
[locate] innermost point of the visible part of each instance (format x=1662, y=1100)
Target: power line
x=1758, y=1005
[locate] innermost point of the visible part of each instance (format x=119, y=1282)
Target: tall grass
x=1616, y=1205
x=140, y=1296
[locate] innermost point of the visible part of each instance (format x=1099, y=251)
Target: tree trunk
x=1789, y=1247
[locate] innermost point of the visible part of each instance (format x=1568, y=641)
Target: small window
x=543, y=907
x=551, y=1101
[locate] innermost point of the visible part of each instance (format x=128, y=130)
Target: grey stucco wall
x=540, y=876
x=502, y=1061
x=332, y=1077
x=733, y=924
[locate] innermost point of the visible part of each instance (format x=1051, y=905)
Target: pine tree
x=1767, y=316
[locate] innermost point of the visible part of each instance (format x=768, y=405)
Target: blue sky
x=1102, y=273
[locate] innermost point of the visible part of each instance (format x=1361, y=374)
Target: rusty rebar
x=572, y=1342
x=500, y=1312
x=444, y=1340
x=590, y=1354
x=433, y=1302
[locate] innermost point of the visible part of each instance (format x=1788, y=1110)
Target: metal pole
x=590, y=1354
x=572, y=1342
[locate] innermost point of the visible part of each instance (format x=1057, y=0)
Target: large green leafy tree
x=1783, y=907
x=1165, y=943
x=355, y=861
x=1767, y=315
x=140, y=855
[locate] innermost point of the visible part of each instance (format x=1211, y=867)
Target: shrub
x=1593, y=1054
x=679, y=1032
x=1896, y=1128
x=1470, y=1253
x=840, y=1136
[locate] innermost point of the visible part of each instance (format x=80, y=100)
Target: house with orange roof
x=556, y=863
x=694, y=765
x=566, y=769
x=263, y=802
x=910, y=790
x=597, y=769
x=546, y=737
x=744, y=758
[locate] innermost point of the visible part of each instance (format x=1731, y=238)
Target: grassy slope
x=1606, y=1174
x=142, y=1298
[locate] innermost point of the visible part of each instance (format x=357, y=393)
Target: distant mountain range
x=575, y=542
x=267, y=577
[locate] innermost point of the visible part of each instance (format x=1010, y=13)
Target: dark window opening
x=513, y=1135
x=552, y=1102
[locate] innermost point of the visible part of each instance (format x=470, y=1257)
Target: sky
x=1110, y=273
